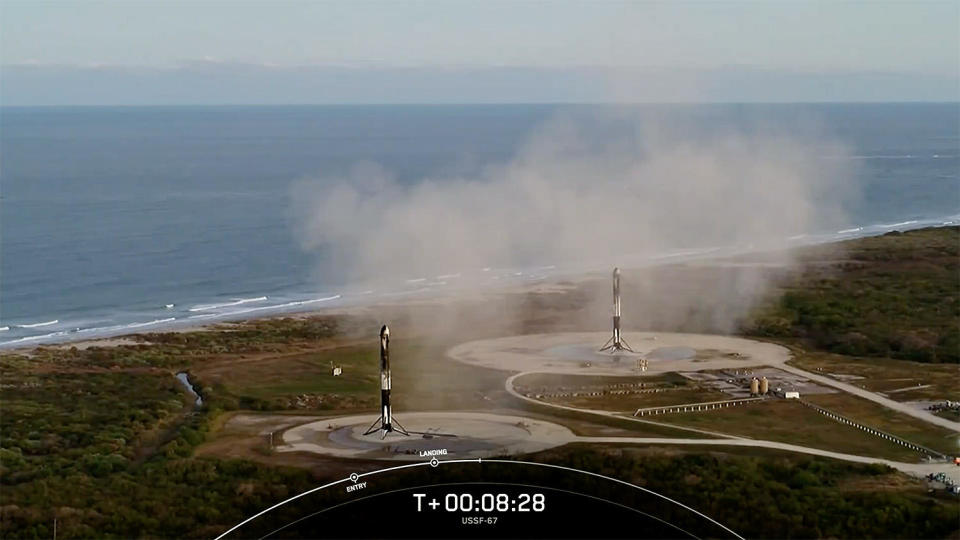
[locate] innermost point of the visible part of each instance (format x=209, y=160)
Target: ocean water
x=135, y=218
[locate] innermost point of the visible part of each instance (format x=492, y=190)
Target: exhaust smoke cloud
x=591, y=191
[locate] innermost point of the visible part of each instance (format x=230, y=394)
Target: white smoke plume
x=579, y=193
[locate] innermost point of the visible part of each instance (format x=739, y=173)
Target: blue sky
x=145, y=52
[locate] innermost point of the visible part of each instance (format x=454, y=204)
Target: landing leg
x=610, y=345
x=398, y=427
x=373, y=427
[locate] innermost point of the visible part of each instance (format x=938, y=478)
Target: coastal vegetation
x=772, y=496
x=891, y=296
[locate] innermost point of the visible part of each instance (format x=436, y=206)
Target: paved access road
x=926, y=416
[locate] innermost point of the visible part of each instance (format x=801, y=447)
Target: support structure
x=386, y=423
x=616, y=342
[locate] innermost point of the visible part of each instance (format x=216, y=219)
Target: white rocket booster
x=616, y=342
x=385, y=379
x=616, y=309
x=386, y=422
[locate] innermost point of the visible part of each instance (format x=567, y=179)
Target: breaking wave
x=28, y=339
x=295, y=303
x=901, y=224
x=37, y=325
x=209, y=307
x=156, y=321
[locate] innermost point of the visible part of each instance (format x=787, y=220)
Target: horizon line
x=482, y=104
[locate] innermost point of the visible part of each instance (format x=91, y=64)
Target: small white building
x=792, y=395
x=337, y=370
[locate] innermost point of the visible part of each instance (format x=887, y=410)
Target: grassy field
x=422, y=378
x=949, y=414
x=934, y=382
x=431, y=381
x=296, y=380
x=791, y=422
x=901, y=425
x=306, y=373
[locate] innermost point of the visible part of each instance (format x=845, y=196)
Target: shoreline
x=560, y=284
x=518, y=281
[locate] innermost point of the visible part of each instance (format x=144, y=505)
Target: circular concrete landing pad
x=475, y=435
x=578, y=352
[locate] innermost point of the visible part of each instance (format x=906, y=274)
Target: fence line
x=693, y=407
x=873, y=431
